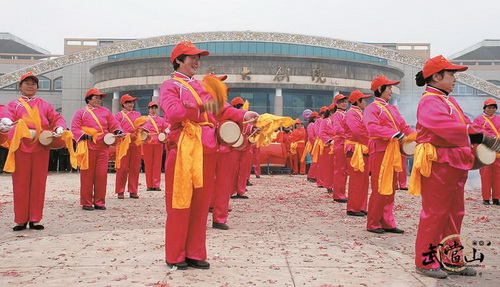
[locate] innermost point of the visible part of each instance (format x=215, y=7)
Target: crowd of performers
x=349, y=139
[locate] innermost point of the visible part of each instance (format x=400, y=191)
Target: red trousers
x=313, y=171
x=402, y=177
x=256, y=160
x=358, y=187
x=244, y=169
x=298, y=167
x=339, y=172
x=225, y=181
x=186, y=229
x=325, y=168
x=93, y=180
x=129, y=169
x=380, y=207
x=443, y=209
x=152, y=164
x=28, y=181
x=490, y=180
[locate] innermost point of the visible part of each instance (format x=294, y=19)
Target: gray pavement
x=289, y=233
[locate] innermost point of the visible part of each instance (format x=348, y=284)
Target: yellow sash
x=391, y=162
x=21, y=131
x=307, y=149
x=188, y=172
x=425, y=154
x=95, y=119
x=121, y=150
x=34, y=118
x=154, y=124
x=82, y=149
x=357, y=161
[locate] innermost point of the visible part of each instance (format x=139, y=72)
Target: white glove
x=6, y=122
x=59, y=131
x=167, y=131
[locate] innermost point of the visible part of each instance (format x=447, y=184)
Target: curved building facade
x=278, y=73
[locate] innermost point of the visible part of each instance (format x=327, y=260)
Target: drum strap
x=128, y=119
x=196, y=97
x=154, y=124
x=451, y=104
x=95, y=119
x=491, y=125
x=34, y=117
x=388, y=113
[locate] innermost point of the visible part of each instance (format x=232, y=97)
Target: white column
x=278, y=102
x=156, y=94
x=334, y=94
x=115, y=105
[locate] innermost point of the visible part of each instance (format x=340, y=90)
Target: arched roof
x=132, y=45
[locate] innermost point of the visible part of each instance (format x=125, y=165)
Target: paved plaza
x=289, y=233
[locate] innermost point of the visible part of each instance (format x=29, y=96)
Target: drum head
x=229, y=133
x=45, y=138
x=144, y=136
x=485, y=155
x=109, y=139
x=162, y=137
x=408, y=148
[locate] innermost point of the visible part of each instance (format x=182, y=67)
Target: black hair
x=181, y=58
x=326, y=114
x=153, y=106
x=87, y=99
x=312, y=119
x=495, y=105
x=238, y=106
x=378, y=93
x=421, y=81
x=37, y=85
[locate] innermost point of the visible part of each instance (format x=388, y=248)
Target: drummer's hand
x=5, y=125
x=400, y=136
x=250, y=115
x=118, y=133
x=59, y=131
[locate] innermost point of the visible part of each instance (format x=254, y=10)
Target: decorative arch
x=133, y=45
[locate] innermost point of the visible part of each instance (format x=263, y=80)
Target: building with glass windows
x=278, y=73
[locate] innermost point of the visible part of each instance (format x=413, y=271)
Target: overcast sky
x=449, y=25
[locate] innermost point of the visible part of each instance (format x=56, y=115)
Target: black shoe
x=210, y=209
x=239, y=196
x=311, y=180
x=377, y=230
x=341, y=200
x=496, y=201
x=249, y=183
x=134, y=195
x=179, y=266
x=150, y=189
x=365, y=212
x=218, y=225
x=257, y=176
x=198, y=264
x=87, y=207
x=157, y=189
x=403, y=188
x=99, y=207
x=329, y=190
x=355, y=213
x=19, y=227
x=36, y=226
x=394, y=230
x=486, y=202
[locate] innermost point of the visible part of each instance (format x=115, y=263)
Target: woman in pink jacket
x=153, y=149
x=339, y=159
x=490, y=175
x=312, y=174
x=445, y=131
x=193, y=149
x=130, y=165
x=93, y=180
x=325, y=161
x=29, y=173
x=384, y=123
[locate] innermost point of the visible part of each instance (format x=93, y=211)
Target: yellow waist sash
x=357, y=161
x=21, y=131
x=390, y=163
x=307, y=149
x=425, y=154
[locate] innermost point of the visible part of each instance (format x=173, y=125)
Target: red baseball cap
x=338, y=97
x=314, y=115
x=299, y=122
x=94, y=92
x=152, y=103
x=236, y=101
x=126, y=98
x=356, y=95
x=380, y=81
x=323, y=109
x=490, y=102
x=186, y=48
x=28, y=75
x=439, y=63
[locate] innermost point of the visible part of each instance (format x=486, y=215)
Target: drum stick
x=249, y=121
x=254, y=132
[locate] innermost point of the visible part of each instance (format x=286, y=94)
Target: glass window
x=58, y=84
x=252, y=48
x=261, y=48
x=294, y=49
x=244, y=47
x=228, y=47
x=309, y=50
x=202, y=46
x=268, y=48
x=317, y=51
x=219, y=48
x=43, y=83
x=163, y=51
x=276, y=48
x=301, y=50
x=296, y=101
x=325, y=52
x=236, y=48
x=285, y=49
x=211, y=47
x=350, y=55
x=261, y=100
x=334, y=53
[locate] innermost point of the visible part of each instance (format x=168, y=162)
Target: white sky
x=449, y=25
